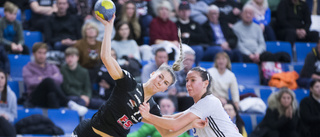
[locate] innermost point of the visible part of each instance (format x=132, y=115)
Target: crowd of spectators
x=219, y=31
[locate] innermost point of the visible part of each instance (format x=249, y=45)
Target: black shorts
x=84, y=129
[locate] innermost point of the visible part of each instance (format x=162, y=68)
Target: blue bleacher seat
x=64, y=118
x=303, y=49
x=264, y=95
x=248, y=122
x=90, y=113
x=246, y=90
x=298, y=67
x=31, y=37
x=146, y=40
x=279, y=46
x=16, y=64
x=206, y=64
x=27, y=14
x=14, y=85
x=246, y=73
x=301, y=93
x=259, y=118
x=18, y=13
x=22, y=113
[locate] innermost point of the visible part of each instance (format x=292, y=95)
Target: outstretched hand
x=105, y=22
x=144, y=109
x=199, y=123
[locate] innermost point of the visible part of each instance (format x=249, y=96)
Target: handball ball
x=105, y=9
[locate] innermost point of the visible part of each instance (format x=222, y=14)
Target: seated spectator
x=129, y=14
x=81, y=8
x=89, y=49
x=8, y=107
x=294, y=21
x=233, y=113
x=11, y=31
x=179, y=90
x=161, y=56
x=131, y=55
x=105, y=81
x=41, y=11
x=173, y=4
x=146, y=130
x=229, y=11
x=281, y=119
x=310, y=111
x=62, y=29
x=43, y=82
x=199, y=10
x=251, y=42
x=220, y=37
x=4, y=61
x=144, y=13
x=310, y=69
x=76, y=81
x=119, y=4
x=100, y=26
x=262, y=16
x=314, y=7
x=191, y=32
x=223, y=79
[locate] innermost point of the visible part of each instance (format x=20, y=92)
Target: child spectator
x=11, y=31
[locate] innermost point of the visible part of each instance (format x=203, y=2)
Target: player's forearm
x=166, y=123
x=168, y=133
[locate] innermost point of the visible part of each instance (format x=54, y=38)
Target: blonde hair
x=274, y=101
x=72, y=51
x=10, y=7
x=89, y=25
x=134, y=21
x=222, y=54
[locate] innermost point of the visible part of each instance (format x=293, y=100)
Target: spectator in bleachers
x=131, y=55
x=314, y=6
x=161, y=28
x=11, y=31
x=229, y=11
x=82, y=8
x=129, y=14
x=89, y=49
x=4, y=61
x=233, y=113
x=146, y=130
x=191, y=32
x=220, y=37
x=8, y=107
x=310, y=111
x=310, y=70
x=43, y=82
x=161, y=56
x=144, y=13
x=173, y=4
x=281, y=119
x=41, y=11
x=223, y=79
x=180, y=90
x=119, y=4
x=294, y=21
x=62, y=29
x=262, y=16
x=76, y=81
x=251, y=42
x=199, y=10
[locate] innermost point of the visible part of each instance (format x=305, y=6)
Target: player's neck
x=147, y=92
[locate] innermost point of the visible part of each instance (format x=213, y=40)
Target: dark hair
x=118, y=26
x=5, y=90
x=239, y=121
x=313, y=82
x=204, y=74
x=38, y=45
x=159, y=50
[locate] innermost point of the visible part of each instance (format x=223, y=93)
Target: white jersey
x=219, y=122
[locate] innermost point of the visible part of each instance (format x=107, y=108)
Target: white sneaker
x=80, y=109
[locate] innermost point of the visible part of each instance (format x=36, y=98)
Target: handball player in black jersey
x=121, y=110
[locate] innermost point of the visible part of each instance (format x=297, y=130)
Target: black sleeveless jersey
x=121, y=110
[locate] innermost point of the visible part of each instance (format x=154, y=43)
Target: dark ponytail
x=4, y=92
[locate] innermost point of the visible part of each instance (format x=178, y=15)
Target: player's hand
x=104, y=22
x=144, y=109
x=199, y=123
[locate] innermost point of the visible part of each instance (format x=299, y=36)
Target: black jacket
x=310, y=115
x=228, y=33
x=288, y=19
x=311, y=64
x=197, y=35
x=37, y=124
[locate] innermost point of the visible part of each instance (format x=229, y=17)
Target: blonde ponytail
x=177, y=65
